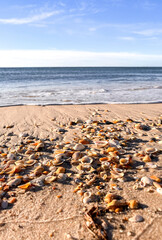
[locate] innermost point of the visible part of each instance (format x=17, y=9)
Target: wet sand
x=56, y=210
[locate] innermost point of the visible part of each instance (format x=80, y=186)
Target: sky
x=80, y=33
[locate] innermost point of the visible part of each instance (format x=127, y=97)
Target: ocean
x=80, y=85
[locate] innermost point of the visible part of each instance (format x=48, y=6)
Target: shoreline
x=80, y=104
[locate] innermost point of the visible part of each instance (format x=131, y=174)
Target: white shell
x=159, y=190
x=136, y=218
x=11, y=156
x=79, y=147
x=146, y=181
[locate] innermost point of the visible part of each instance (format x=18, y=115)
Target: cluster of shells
x=100, y=156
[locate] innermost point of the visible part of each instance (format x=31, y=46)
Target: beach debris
x=95, y=224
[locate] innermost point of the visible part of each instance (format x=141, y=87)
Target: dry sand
x=40, y=214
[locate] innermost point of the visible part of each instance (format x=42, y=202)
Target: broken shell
x=39, y=146
x=77, y=155
x=147, y=158
x=50, y=179
x=84, y=141
x=111, y=149
x=58, y=162
x=30, y=162
x=136, y=218
x=124, y=161
x=79, y=147
x=101, y=144
x=159, y=190
x=150, y=150
x=133, y=204
x=62, y=177
x=156, y=179
x=116, y=203
x=60, y=170
x=11, y=156
x=105, y=165
x=38, y=170
x=151, y=165
x=15, y=182
x=86, y=159
x=25, y=186
x=146, y=181
x=109, y=197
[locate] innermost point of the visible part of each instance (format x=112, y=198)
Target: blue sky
x=81, y=33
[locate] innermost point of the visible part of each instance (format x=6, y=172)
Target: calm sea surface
x=41, y=86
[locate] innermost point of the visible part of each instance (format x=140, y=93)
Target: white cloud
x=60, y=58
x=27, y=20
x=127, y=38
x=149, y=32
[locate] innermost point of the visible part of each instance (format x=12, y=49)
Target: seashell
x=151, y=165
x=124, y=161
x=89, y=121
x=14, y=182
x=39, y=181
x=150, y=150
x=30, y=163
x=87, y=197
x=111, y=149
x=101, y=144
x=38, y=170
x=159, y=190
x=84, y=141
x=59, y=151
x=12, y=200
x=86, y=159
x=156, y=179
x=33, y=156
x=79, y=147
x=103, y=159
x=11, y=156
x=136, y=218
x=60, y=170
x=133, y=204
x=114, y=143
x=62, y=177
x=105, y=165
x=109, y=197
x=116, y=203
x=29, y=151
x=58, y=162
x=146, y=181
x=26, y=186
x=39, y=146
x=77, y=155
x=50, y=179
x=85, y=166
x=23, y=135
x=16, y=169
x=157, y=185
x=92, y=154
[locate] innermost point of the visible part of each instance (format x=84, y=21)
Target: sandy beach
x=51, y=198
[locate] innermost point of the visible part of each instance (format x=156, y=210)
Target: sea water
x=80, y=85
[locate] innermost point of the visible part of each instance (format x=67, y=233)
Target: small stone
x=136, y=218
x=4, y=204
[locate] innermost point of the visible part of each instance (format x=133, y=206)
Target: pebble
x=79, y=147
x=4, y=204
x=136, y=218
